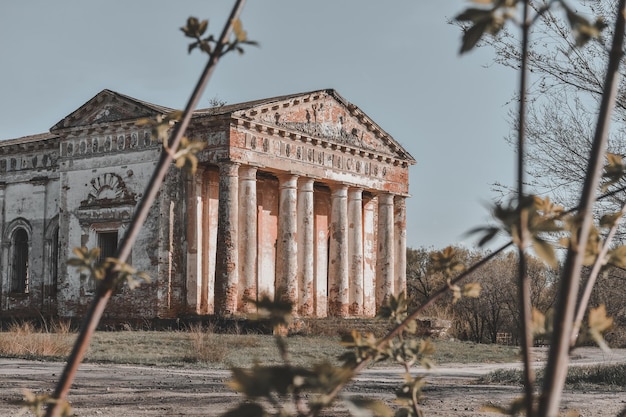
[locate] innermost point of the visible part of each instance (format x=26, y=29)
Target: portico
x=305, y=211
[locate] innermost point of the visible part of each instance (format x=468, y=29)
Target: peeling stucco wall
x=28, y=201
x=301, y=197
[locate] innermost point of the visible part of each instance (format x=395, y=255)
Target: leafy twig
x=104, y=290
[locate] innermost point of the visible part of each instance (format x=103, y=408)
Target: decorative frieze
x=321, y=154
x=86, y=146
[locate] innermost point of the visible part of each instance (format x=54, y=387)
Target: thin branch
x=398, y=329
x=558, y=358
x=434, y=297
x=524, y=284
x=105, y=289
x=591, y=281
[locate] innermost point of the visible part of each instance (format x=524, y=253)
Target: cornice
x=296, y=135
x=20, y=147
x=354, y=111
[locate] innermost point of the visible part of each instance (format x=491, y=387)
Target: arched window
x=19, y=261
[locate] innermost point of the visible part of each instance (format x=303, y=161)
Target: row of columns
x=366, y=261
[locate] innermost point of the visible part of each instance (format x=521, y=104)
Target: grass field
x=198, y=347
x=611, y=377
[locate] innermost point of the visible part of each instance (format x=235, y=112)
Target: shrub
x=204, y=346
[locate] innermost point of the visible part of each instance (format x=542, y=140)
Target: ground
x=122, y=390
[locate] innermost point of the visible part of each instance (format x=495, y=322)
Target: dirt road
x=122, y=390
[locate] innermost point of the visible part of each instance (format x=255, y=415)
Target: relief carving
x=108, y=190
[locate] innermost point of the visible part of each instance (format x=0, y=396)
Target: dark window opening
x=19, y=279
x=107, y=242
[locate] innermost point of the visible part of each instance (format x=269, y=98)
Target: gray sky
x=396, y=60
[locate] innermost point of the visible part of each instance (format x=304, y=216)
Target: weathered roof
x=27, y=139
x=38, y=140
x=232, y=108
x=238, y=107
x=109, y=106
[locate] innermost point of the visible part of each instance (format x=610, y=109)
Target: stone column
x=194, y=241
x=339, y=297
x=370, y=224
x=306, y=253
x=286, y=245
x=385, y=257
x=321, y=207
x=400, y=248
x=355, y=250
x=227, y=256
x=247, y=238
x=209, y=236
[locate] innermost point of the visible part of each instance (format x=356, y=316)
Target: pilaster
x=339, y=297
x=400, y=247
x=286, y=246
x=227, y=256
x=248, y=237
x=194, y=240
x=370, y=232
x=306, y=247
x=355, y=250
x=386, y=245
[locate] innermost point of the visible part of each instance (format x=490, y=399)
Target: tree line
x=495, y=312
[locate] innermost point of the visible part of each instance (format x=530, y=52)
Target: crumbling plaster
x=299, y=196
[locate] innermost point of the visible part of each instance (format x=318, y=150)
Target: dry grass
x=203, y=346
x=24, y=340
x=209, y=347
x=578, y=377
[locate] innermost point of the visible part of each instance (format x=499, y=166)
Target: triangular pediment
x=325, y=114
x=107, y=107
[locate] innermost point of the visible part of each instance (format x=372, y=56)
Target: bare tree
x=563, y=98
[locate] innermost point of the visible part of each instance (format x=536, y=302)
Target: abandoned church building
x=301, y=196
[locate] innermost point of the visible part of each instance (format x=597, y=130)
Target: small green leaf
x=610, y=219
x=545, y=251
x=192, y=46
x=538, y=326
x=516, y=407
x=598, y=324
x=240, y=34
x=367, y=407
x=473, y=15
x=471, y=290
x=617, y=257
x=456, y=292
x=473, y=35
x=203, y=26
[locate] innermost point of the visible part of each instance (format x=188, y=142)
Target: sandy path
x=122, y=390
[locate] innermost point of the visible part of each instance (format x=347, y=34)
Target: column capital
x=247, y=172
x=306, y=183
x=338, y=190
x=355, y=193
x=287, y=180
x=229, y=168
x=385, y=199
